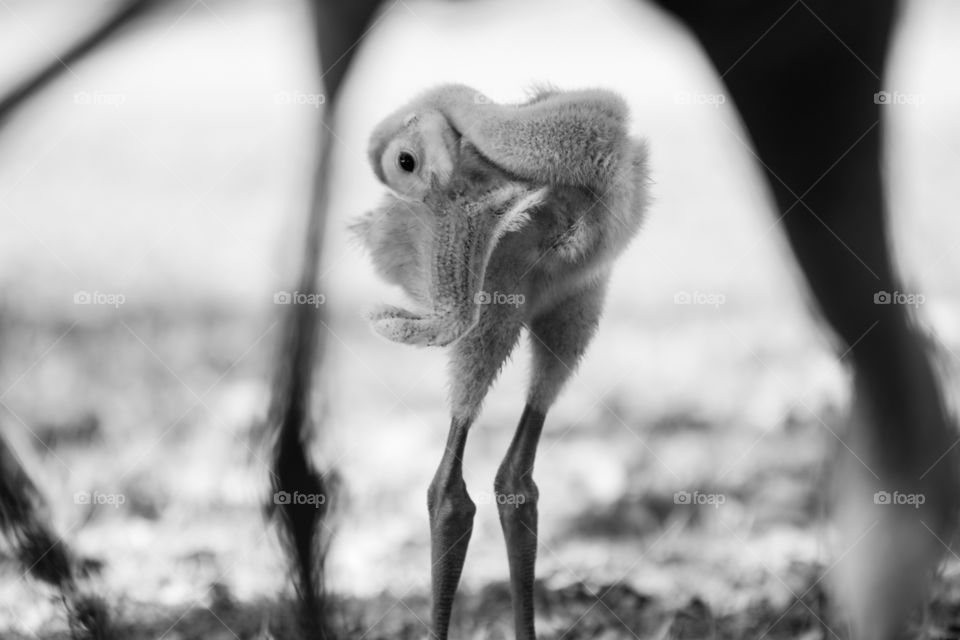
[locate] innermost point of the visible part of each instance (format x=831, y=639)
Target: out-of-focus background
x=153, y=201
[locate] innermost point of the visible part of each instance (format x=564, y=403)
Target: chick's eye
x=406, y=161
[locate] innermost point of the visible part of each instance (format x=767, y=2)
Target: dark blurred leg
x=24, y=513
x=807, y=98
x=337, y=28
x=340, y=28
x=23, y=521
x=22, y=507
x=807, y=102
x=113, y=24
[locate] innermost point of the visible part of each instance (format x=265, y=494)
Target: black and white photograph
x=479, y=319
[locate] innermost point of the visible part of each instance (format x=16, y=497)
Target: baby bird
x=501, y=217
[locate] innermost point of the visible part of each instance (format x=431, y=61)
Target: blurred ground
x=173, y=170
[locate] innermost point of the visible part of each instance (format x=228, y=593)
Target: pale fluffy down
x=542, y=198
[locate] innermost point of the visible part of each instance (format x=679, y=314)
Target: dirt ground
x=182, y=190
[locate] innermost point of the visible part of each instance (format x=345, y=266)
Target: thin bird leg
x=475, y=361
x=451, y=523
x=516, y=496
x=559, y=338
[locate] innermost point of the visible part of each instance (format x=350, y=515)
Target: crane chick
x=501, y=217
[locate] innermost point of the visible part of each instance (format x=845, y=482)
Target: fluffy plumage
x=434, y=237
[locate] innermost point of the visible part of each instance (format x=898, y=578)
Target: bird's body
x=564, y=238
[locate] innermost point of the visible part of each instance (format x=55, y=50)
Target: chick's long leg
x=476, y=360
x=559, y=338
x=451, y=523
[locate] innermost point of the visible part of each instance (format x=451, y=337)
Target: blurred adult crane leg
x=25, y=521
x=804, y=76
x=337, y=27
